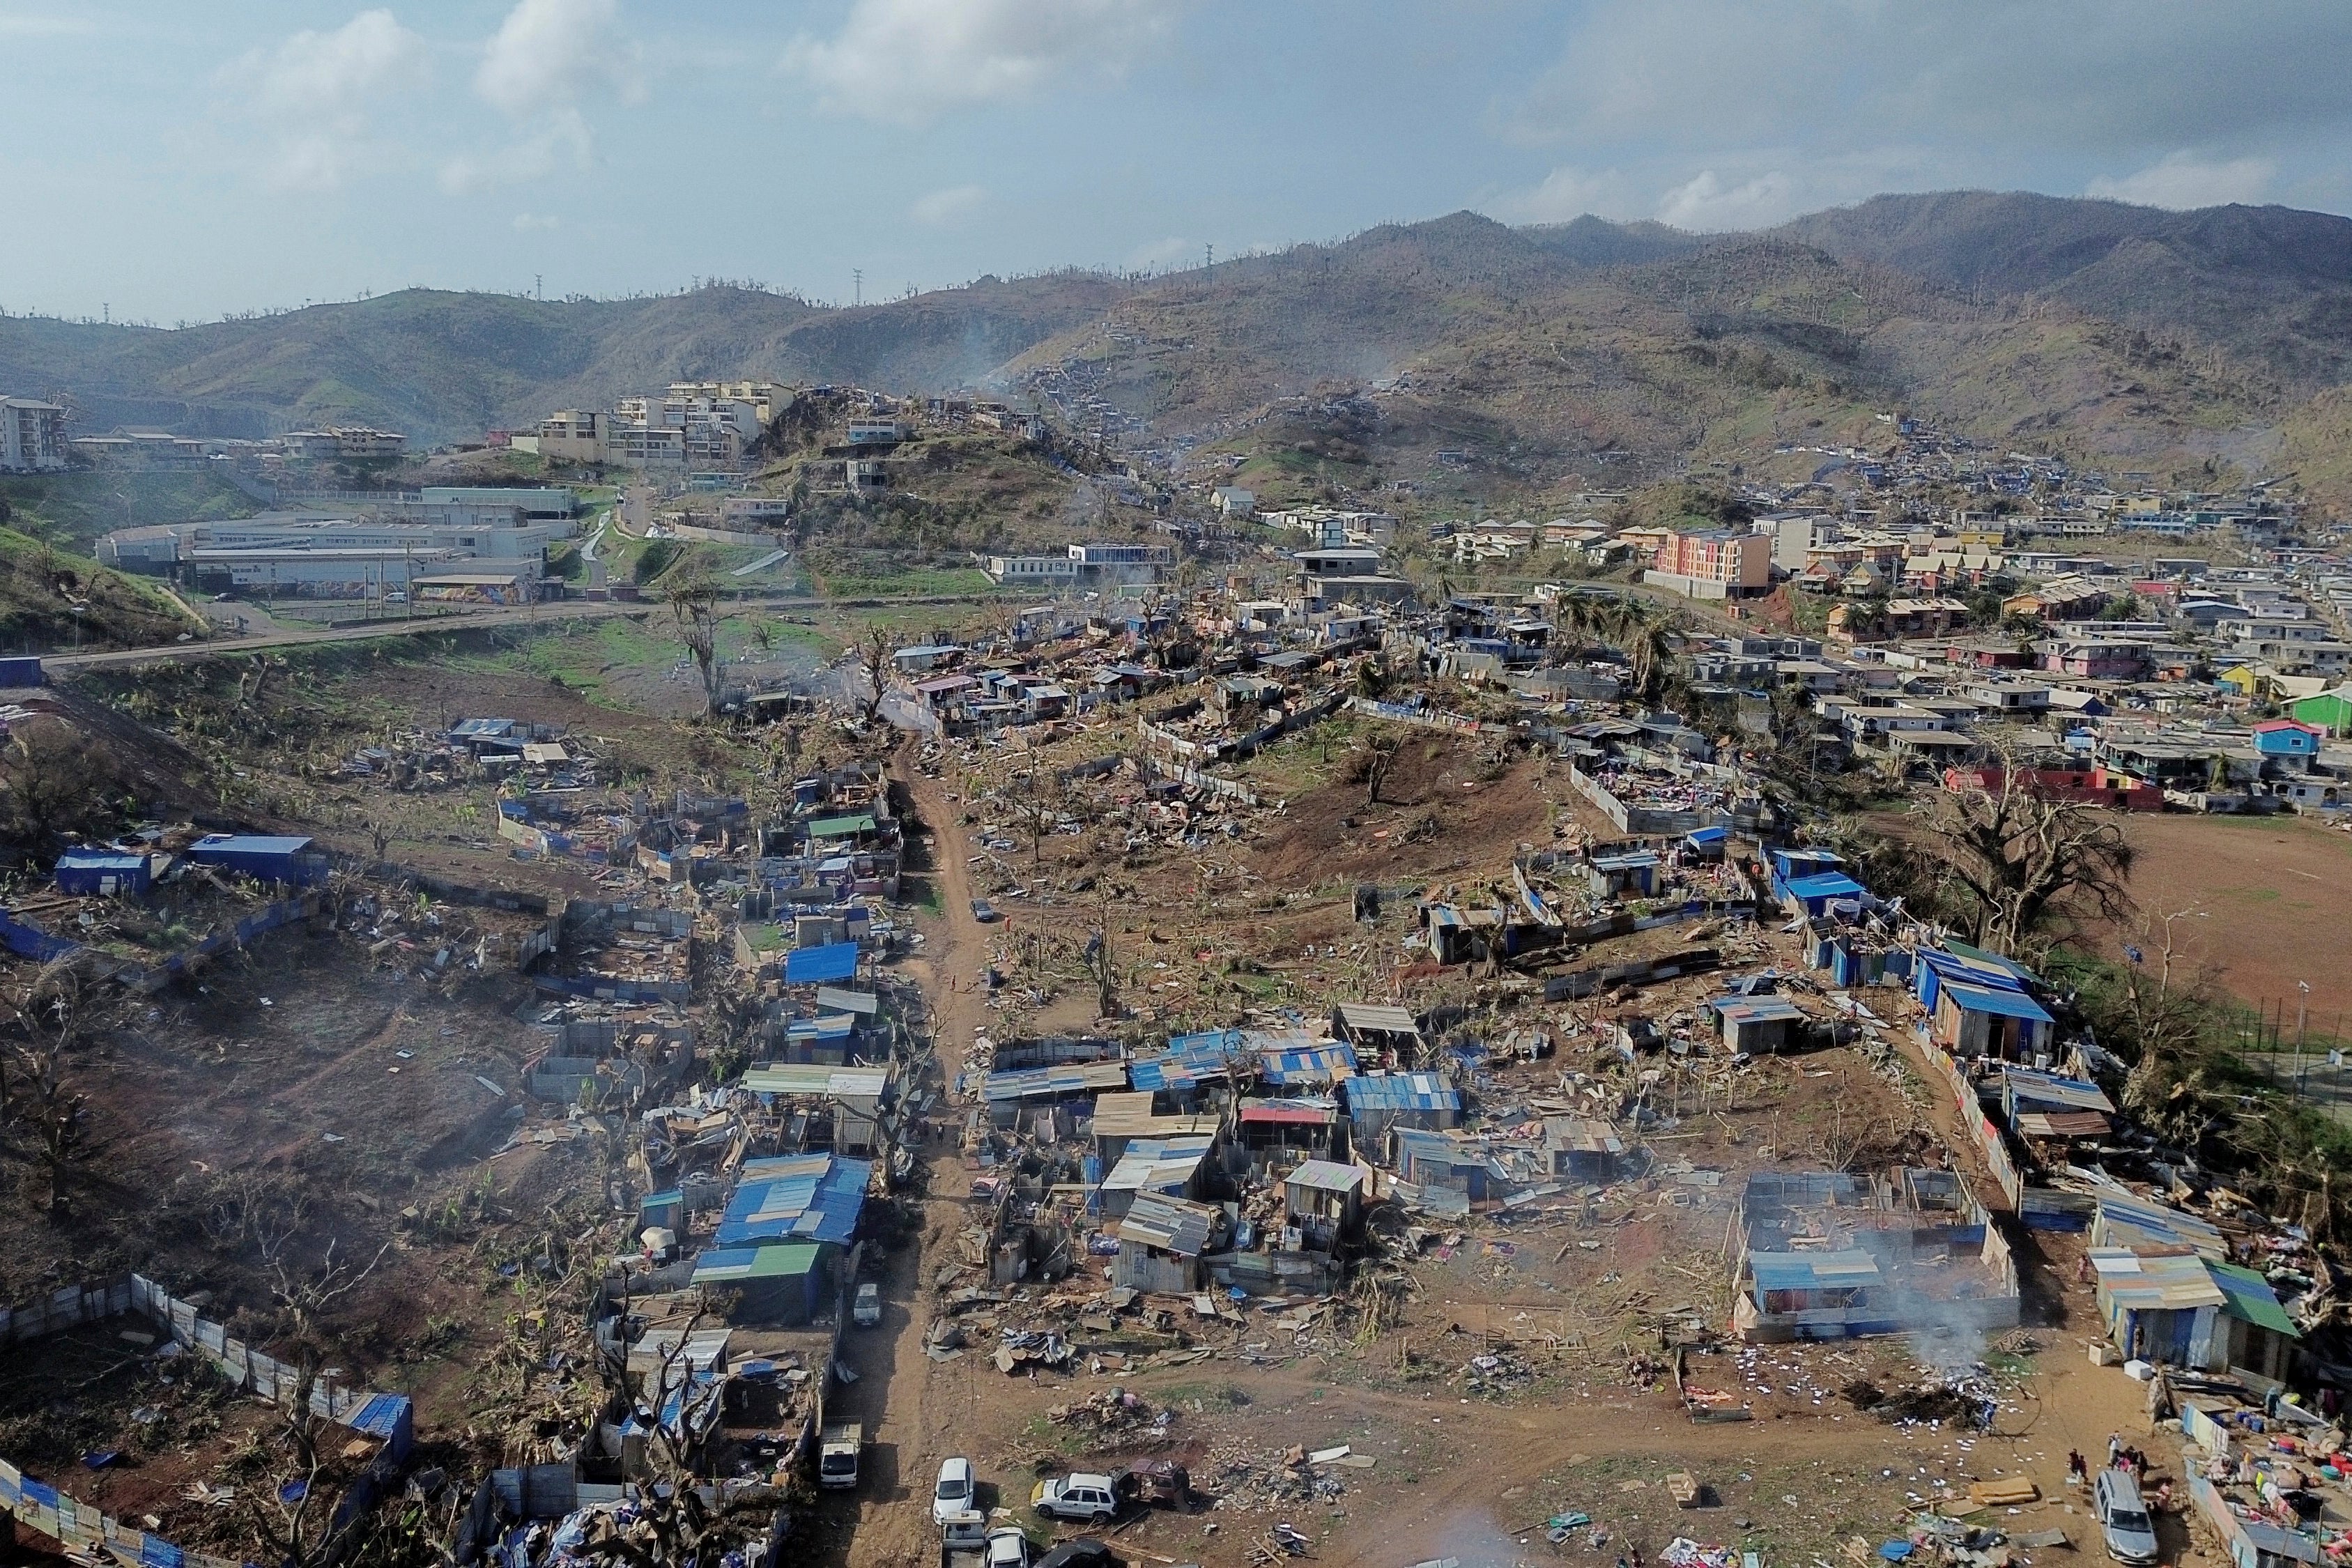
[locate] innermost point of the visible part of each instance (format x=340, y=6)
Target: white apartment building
x=32, y=435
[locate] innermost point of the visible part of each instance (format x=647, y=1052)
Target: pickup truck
x=836, y=1457
x=966, y=1541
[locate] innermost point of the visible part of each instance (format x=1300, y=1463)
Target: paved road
x=518, y=615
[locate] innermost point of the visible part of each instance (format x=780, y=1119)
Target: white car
x=867, y=1311
x=953, y=1495
x=1008, y=1548
x=1086, y=1498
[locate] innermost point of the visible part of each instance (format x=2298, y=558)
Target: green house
x=2331, y=710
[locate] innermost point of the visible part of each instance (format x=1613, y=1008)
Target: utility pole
x=539, y=284
x=857, y=285
x=1209, y=253
x=2302, y=1016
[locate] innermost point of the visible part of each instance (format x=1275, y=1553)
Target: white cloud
x=1161, y=254
x=1706, y=203
x=908, y=62
x=2039, y=78
x=949, y=205
x=316, y=90
x=2183, y=179
x=548, y=54
x=562, y=138
x=536, y=223
x=548, y=60
x=1567, y=192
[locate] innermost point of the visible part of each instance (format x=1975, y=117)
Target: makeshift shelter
x=1326, y=1202
x=1972, y=1020
x=781, y=1284
x=1379, y=1101
x=1161, y=1241
x=1169, y=1167
x=1756, y=1024
x=1583, y=1149
x=1376, y=1028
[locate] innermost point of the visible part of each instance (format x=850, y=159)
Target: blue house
x=263, y=857
x=1792, y=865
x=1812, y=896
x=2288, y=740
x=103, y=873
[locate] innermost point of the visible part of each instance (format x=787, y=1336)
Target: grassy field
x=40, y=585
x=859, y=581
x=2267, y=898
x=73, y=509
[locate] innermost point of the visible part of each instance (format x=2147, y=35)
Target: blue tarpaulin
x=821, y=965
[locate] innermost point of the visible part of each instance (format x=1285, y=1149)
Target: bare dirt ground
x=2270, y=902
x=1460, y=1466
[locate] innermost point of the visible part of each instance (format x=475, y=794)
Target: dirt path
x=925, y=1417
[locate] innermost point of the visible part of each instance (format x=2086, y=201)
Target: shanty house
x=104, y=873
x=1812, y=896
x=1972, y=1020
x=1380, y=1101
x=1161, y=1241
x=1326, y=1203
x=263, y=857
x=1756, y=1024
x=1438, y=1163
x=795, y=1197
x=1373, y=1029
x=1120, y=1119
x=857, y=1097
x=1292, y=1124
x=2042, y=1107
x=1829, y=1255
x=1583, y=1149
x=2160, y=1305
x=1634, y=874
x=781, y=1284
x=1167, y=1167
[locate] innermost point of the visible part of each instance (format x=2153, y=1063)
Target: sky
x=171, y=162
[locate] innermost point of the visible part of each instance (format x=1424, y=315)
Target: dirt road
x=918, y=1411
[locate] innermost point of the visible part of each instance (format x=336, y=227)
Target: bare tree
x=1039, y=808
x=1375, y=760
x=52, y=781
x=2017, y=861
x=1101, y=962
x=693, y=602
x=874, y=659
x=2163, y=1020
x=53, y=1016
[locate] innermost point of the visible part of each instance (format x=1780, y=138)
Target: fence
x=389, y=1416
x=1427, y=718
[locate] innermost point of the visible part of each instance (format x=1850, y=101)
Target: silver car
x=2124, y=1525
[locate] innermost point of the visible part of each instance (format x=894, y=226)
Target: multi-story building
x=32, y=435
x=1715, y=564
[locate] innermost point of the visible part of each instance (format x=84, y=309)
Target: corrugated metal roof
x=2251, y=1298
x=1190, y=1060
x=1824, y=885
x=815, y=1078
x=777, y=1261
x=1326, y=1061
x=1171, y=1224
x=1399, y=1091
x=833, y=999
x=2061, y=1124
x=841, y=826
x=812, y=1205
x=1054, y=1083
x=1846, y=1270
x=1326, y=1176
x=2023, y=1086
x=1157, y=1164
x=2155, y=1282
x=1376, y=1016
x=1757, y=1009
x=1291, y=1111
x=1131, y=1116
x=1582, y=1135
x=2125, y=1219
x=1971, y=997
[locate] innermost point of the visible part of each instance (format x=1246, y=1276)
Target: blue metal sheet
x=1972, y=998
x=820, y=965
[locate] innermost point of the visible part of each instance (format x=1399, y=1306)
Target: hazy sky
x=173, y=161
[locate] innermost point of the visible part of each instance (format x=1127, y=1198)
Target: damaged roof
x=1399, y=1091
x=1167, y=1225
x=1326, y=1176
x=813, y=1197
x=1847, y=1268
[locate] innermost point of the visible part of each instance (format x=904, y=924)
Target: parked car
x=838, y=1451
x=982, y=910
x=1086, y=1497
x=1008, y=1548
x=1086, y=1552
x=952, y=1496
x=866, y=1311
x=1158, y=1483
x=2125, y=1527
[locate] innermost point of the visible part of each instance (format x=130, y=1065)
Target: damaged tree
x=2006, y=868
x=694, y=609
x=53, y=1017
x=1375, y=760
x=873, y=657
